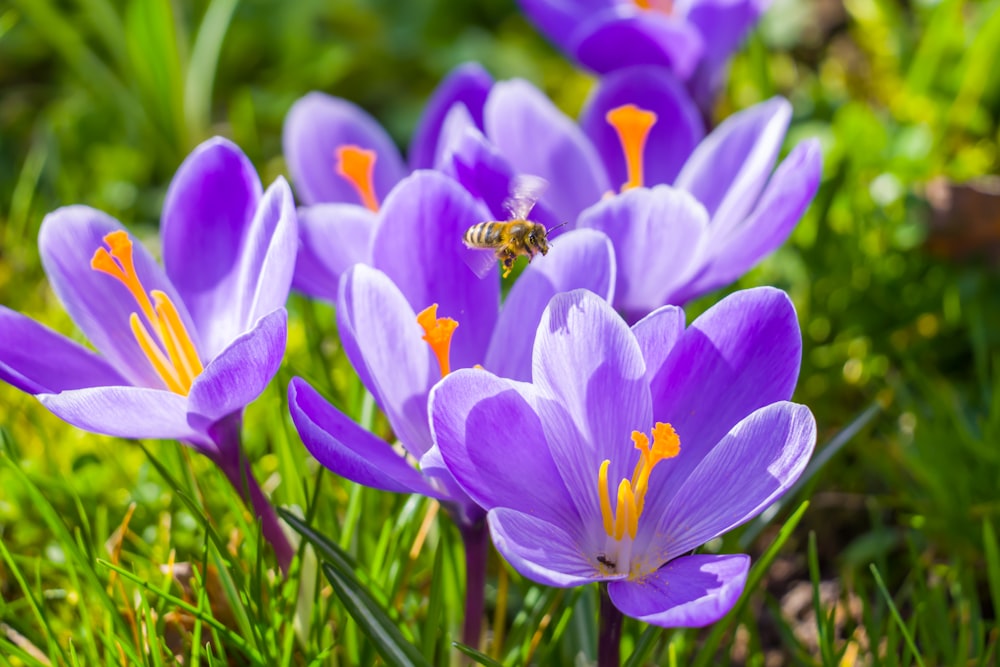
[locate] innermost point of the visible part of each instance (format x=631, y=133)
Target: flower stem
x=609, y=636
x=477, y=544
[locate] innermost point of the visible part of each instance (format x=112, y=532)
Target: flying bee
x=518, y=235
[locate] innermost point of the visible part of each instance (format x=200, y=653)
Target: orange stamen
x=357, y=165
x=632, y=125
x=438, y=332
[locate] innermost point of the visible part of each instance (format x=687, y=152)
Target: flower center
x=437, y=333
x=665, y=6
x=171, y=353
x=632, y=492
x=357, y=165
x=632, y=125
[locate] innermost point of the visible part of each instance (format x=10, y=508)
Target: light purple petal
x=752, y=467
x=468, y=85
x=689, y=592
x=463, y=509
x=677, y=130
x=659, y=236
x=347, y=449
x=626, y=36
x=540, y=550
x=539, y=139
x=332, y=239
x=728, y=170
x=125, y=412
x=381, y=337
x=581, y=259
x=38, y=360
x=315, y=127
x=493, y=443
x=240, y=372
x=657, y=334
x=419, y=246
x=99, y=304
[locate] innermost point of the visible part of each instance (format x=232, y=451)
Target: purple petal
x=464, y=510
x=475, y=416
x=559, y=19
x=728, y=170
x=625, y=36
x=540, y=550
x=540, y=140
x=37, y=360
x=125, y=412
x=347, y=449
x=332, y=239
x=315, y=127
x=741, y=355
x=677, y=130
x=99, y=304
x=468, y=85
x=659, y=237
x=689, y=592
x=381, y=337
x=581, y=259
x=240, y=372
x=752, y=467
x=657, y=334
x=419, y=246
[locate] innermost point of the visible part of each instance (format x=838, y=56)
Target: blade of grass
x=200, y=78
x=904, y=630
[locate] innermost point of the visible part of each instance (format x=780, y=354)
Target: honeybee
x=518, y=235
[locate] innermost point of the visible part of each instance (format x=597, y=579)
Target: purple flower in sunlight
x=343, y=164
x=418, y=312
x=694, y=39
x=632, y=447
x=693, y=213
x=181, y=349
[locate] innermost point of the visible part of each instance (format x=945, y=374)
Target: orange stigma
x=437, y=333
x=665, y=6
x=357, y=165
x=631, y=499
x=632, y=125
x=171, y=353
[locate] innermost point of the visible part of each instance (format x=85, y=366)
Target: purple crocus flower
x=181, y=349
x=344, y=164
x=694, y=39
x=632, y=447
x=693, y=214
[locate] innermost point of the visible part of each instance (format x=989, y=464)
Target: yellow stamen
x=632, y=125
x=437, y=333
x=357, y=165
x=171, y=352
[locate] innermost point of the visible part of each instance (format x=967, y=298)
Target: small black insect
x=605, y=561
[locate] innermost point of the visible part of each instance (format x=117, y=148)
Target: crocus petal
x=782, y=204
x=125, y=412
x=539, y=550
x=475, y=415
x=581, y=259
x=99, y=304
x=689, y=592
x=240, y=372
x=752, y=467
x=419, y=246
x=558, y=19
x=38, y=360
x=206, y=217
x=381, y=337
x=315, y=127
x=468, y=85
x=728, y=170
x=347, y=449
x=657, y=333
x=463, y=509
x=585, y=356
x=659, y=237
x=677, y=130
x=624, y=36
x=541, y=140
x=332, y=239
x=740, y=355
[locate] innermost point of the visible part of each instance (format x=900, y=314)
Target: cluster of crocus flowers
x=631, y=447
x=181, y=349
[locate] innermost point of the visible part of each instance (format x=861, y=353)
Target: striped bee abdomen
x=485, y=234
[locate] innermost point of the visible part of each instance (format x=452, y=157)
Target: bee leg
x=507, y=259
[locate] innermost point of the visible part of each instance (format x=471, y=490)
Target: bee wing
x=525, y=190
x=479, y=261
